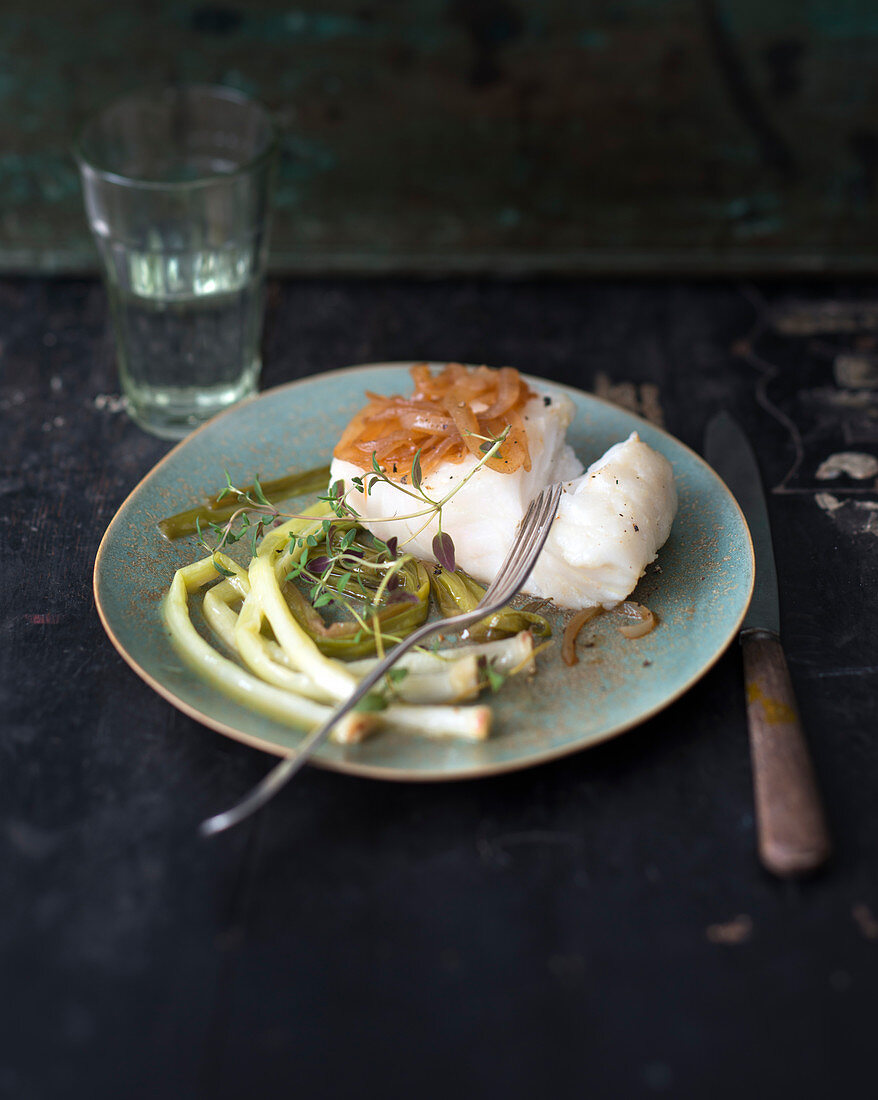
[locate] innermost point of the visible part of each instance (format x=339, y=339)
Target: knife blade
x=792, y=834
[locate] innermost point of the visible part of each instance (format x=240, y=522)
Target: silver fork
x=514, y=571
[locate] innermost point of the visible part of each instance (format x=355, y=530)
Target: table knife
x=792, y=834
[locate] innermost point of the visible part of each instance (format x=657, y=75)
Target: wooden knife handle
x=792, y=833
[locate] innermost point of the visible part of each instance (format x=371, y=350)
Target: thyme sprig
x=250, y=501
x=344, y=562
x=442, y=545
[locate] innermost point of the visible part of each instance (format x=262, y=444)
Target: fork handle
x=793, y=836
x=283, y=772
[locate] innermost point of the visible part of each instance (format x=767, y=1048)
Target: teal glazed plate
x=699, y=592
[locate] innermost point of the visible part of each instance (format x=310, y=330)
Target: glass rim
x=220, y=91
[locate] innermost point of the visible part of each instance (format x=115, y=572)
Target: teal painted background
x=632, y=136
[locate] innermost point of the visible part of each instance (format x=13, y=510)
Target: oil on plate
x=699, y=593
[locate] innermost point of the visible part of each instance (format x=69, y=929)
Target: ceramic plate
x=700, y=593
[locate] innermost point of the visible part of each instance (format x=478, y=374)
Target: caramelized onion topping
x=568, y=645
x=447, y=418
x=645, y=620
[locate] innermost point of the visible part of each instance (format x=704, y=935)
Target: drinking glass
x=177, y=186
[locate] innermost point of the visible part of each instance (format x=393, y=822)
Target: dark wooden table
x=595, y=927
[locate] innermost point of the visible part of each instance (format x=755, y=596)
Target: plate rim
x=375, y=771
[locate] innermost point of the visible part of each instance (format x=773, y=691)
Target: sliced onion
x=507, y=393
x=441, y=449
x=447, y=418
x=464, y=419
x=568, y=645
x=646, y=621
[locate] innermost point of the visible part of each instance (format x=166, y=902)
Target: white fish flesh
x=611, y=522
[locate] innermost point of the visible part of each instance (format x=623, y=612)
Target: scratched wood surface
x=503, y=136
x=601, y=922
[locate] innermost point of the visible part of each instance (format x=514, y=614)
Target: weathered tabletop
x=599, y=925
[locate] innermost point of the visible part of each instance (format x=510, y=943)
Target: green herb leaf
x=417, y=476
x=220, y=568
x=371, y=702
x=397, y=674
x=496, y=679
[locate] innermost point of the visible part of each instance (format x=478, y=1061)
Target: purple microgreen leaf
x=401, y=596
x=443, y=551
x=317, y=565
x=391, y=545
x=393, y=582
